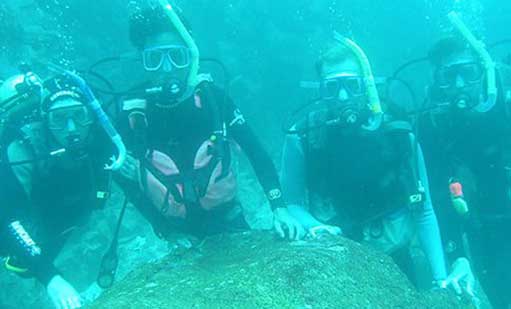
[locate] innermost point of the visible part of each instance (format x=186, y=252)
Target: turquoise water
x=269, y=47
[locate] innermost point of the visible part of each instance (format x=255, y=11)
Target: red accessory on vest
x=456, y=189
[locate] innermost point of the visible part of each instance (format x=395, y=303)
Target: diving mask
x=166, y=57
x=330, y=87
x=470, y=73
x=58, y=118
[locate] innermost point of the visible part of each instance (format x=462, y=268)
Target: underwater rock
x=253, y=270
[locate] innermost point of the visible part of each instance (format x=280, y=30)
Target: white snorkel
x=489, y=65
x=190, y=43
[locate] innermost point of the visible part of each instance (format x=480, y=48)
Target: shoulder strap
x=219, y=135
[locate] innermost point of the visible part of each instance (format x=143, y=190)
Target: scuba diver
x=52, y=174
x=181, y=133
x=465, y=129
x=358, y=169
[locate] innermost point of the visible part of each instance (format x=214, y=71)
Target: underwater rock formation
x=252, y=270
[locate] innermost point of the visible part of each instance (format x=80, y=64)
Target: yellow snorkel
x=489, y=65
x=190, y=43
x=371, y=91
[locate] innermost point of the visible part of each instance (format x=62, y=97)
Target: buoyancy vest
x=368, y=175
x=173, y=189
x=59, y=197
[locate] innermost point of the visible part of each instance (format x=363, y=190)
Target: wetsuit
x=41, y=202
x=364, y=177
x=179, y=132
x=474, y=149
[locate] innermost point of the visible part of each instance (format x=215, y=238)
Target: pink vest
x=218, y=191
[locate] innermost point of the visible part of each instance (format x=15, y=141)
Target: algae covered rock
x=254, y=270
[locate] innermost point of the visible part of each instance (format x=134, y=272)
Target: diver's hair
x=333, y=54
x=446, y=47
x=149, y=22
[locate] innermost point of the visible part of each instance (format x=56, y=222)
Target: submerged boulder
x=253, y=270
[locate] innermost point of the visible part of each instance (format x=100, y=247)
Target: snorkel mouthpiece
x=374, y=104
x=479, y=47
x=187, y=38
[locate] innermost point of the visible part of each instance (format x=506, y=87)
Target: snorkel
x=479, y=47
x=190, y=43
x=105, y=123
x=374, y=104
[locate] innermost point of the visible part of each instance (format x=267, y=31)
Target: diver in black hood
x=182, y=133
x=358, y=170
x=52, y=175
x=465, y=132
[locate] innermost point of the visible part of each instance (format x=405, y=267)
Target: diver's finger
x=77, y=302
x=301, y=232
x=63, y=304
x=469, y=287
x=278, y=229
x=291, y=229
x=456, y=286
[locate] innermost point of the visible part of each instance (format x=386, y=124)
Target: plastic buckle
x=102, y=195
x=416, y=198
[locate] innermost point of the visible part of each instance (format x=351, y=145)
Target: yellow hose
x=488, y=62
x=371, y=90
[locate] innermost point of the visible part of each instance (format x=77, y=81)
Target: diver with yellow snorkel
x=358, y=169
x=182, y=133
x=465, y=132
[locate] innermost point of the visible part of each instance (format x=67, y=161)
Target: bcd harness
x=191, y=187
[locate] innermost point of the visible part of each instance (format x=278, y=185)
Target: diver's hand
x=313, y=226
x=325, y=229
x=130, y=169
x=62, y=294
x=283, y=220
x=462, y=280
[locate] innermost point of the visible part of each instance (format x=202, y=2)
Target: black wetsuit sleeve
x=16, y=241
x=259, y=158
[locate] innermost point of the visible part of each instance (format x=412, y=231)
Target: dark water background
x=267, y=46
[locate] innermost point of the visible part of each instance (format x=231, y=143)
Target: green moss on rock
x=253, y=270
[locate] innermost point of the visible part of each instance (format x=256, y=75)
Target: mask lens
x=354, y=86
x=444, y=77
x=330, y=89
x=153, y=59
x=179, y=56
x=470, y=72
x=58, y=118
x=81, y=116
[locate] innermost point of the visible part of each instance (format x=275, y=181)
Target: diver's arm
x=261, y=162
x=429, y=232
x=293, y=180
x=15, y=239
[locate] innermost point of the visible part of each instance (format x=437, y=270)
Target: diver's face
x=343, y=87
x=342, y=82
x=70, y=123
x=166, y=56
x=459, y=80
